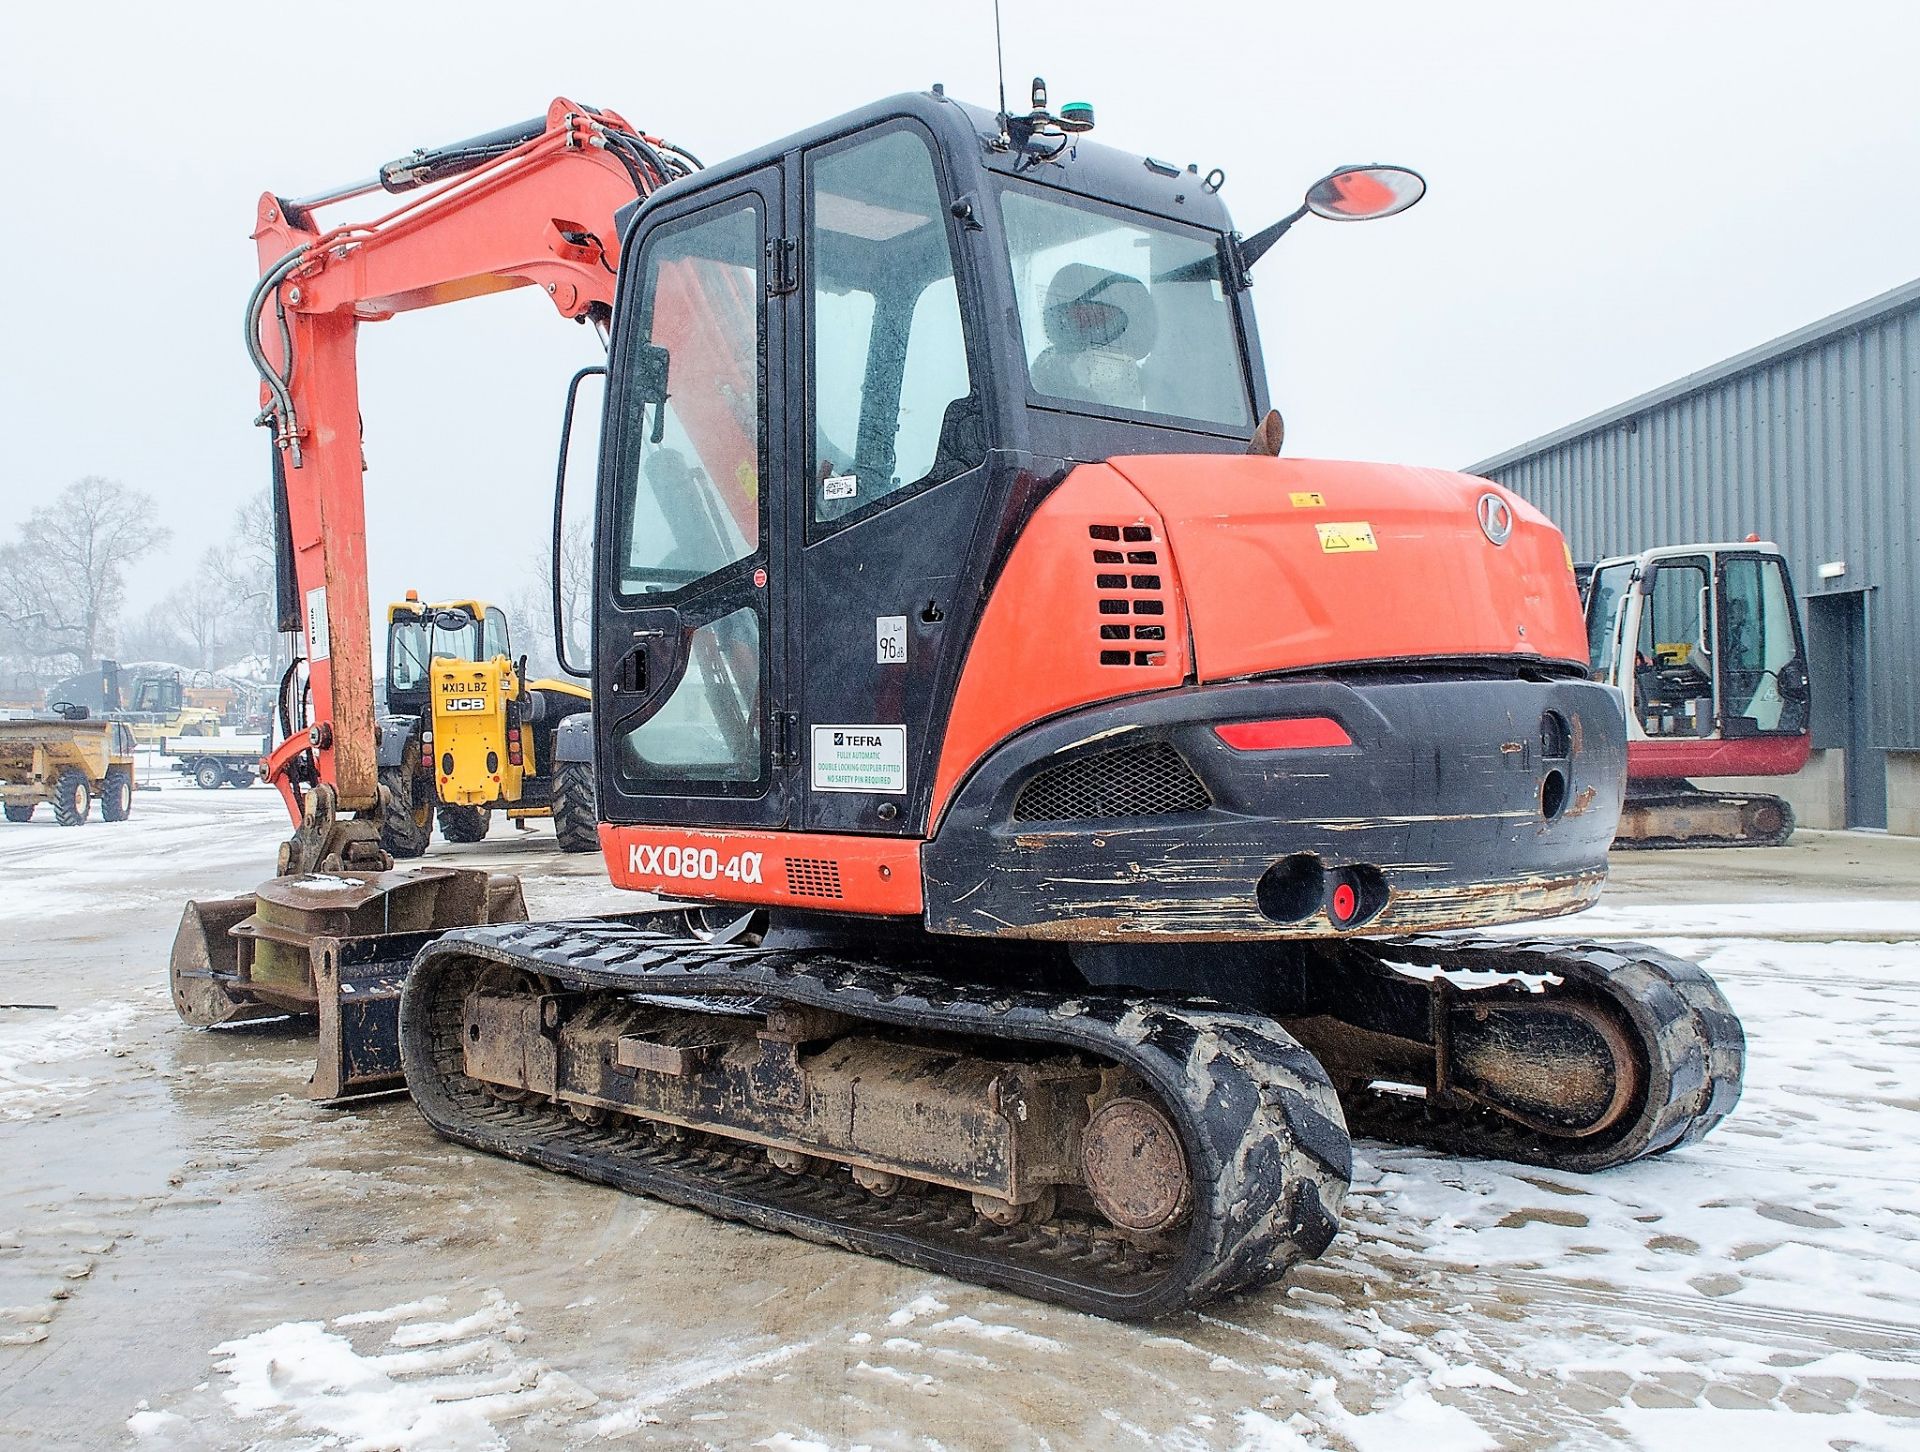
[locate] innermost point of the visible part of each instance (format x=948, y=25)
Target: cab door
x=690, y=619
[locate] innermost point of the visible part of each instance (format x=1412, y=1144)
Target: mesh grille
x=1137, y=781
x=813, y=877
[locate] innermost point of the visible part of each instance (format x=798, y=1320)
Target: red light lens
x=1345, y=903
x=1291, y=733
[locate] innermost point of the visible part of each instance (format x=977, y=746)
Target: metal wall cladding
x=1811, y=441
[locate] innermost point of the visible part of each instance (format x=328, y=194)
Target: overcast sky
x=1620, y=194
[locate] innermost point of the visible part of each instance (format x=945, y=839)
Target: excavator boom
x=528, y=206
x=531, y=205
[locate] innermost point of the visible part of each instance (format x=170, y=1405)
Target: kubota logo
x=1496, y=518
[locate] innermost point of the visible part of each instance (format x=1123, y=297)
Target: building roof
x=1900, y=299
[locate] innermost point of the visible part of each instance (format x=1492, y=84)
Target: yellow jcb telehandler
x=466, y=733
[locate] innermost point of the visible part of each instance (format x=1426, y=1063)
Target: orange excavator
x=1055, y=794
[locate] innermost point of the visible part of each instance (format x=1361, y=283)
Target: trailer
x=68, y=760
x=215, y=761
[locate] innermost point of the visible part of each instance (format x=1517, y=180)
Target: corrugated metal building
x=1813, y=441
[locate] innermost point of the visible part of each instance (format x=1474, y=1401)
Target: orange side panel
x=1280, y=576
x=1081, y=613
x=772, y=869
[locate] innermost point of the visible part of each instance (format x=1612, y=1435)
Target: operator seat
x=1099, y=325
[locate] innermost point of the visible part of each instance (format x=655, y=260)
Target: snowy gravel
x=191, y=1256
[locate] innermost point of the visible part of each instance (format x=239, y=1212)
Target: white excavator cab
x=1704, y=643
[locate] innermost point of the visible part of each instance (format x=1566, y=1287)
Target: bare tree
x=576, y=594
x=243, y=571
x=201, y=612
x=531, y=607
x=63, y=579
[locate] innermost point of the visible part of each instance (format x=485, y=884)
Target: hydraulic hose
x=277, y=383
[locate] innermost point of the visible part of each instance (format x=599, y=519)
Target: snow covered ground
x=193, y=1257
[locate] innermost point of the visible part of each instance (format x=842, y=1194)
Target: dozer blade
x=334, y=947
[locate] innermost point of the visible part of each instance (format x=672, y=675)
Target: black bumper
x=1461, y=802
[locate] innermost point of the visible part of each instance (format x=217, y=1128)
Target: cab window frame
x=1001, y=185
x=966, y=299
x=634, y=314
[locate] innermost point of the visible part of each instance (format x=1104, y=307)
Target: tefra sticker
x=840, y=486
x=860, y=759
x=1346, y=539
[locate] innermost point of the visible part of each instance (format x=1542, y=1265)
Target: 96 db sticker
x=692, y=864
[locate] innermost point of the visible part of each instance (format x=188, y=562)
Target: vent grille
x=1128, y=585
x=1136, y=781
x=813, y=877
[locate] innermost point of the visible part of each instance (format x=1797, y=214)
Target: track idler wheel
x=1133, y=1167
x=1558, y=1066
x=1576, y=1056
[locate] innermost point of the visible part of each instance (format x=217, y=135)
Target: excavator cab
x=1704, y=643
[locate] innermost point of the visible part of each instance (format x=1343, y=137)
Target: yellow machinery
x=466, y=733
x=68, y=758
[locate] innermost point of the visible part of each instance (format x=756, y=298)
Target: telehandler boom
x=1062, y=793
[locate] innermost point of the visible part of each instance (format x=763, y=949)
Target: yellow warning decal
x=1308, y=501
x=1346, y=539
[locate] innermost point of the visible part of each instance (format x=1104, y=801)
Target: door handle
x=630, y=677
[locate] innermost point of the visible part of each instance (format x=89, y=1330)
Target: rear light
x=1290, y=733
x=513, y=746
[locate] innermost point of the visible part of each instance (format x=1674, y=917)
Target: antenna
x=1000, y=60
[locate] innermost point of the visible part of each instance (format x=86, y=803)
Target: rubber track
x=1696, y=1051
x=1695, y=799
x=1260, y=1124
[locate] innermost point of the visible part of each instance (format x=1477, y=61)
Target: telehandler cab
x=1059, y=794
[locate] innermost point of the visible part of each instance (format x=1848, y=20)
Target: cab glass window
x=1757, y=643
x=893, y=403
x=407, y=654
x=1122, y=312
x=1673, y=658
x=1605, y=593
x=708, y=729
x=692, y=506
x=495, y=641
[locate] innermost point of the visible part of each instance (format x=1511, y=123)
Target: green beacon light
x=1076, y=116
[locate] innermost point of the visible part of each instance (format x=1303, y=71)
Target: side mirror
x=555, y=578
x=1363, y=193
x=1346, y=194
